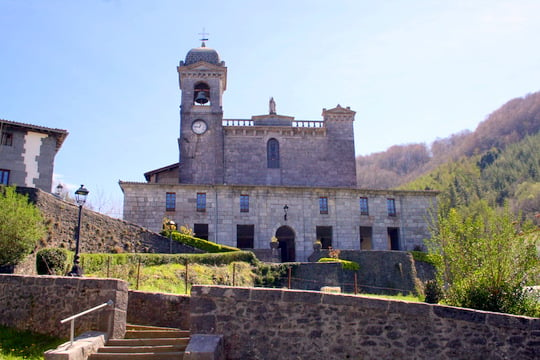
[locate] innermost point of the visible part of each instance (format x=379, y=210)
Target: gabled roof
x=58, y=133
x=148, y=174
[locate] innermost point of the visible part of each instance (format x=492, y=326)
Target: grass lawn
x=17, y=345
x=171, y=278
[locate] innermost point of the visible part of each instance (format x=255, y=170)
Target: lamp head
x=80, y=195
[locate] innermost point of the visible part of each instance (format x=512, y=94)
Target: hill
x=499, y=162
x=400, y=164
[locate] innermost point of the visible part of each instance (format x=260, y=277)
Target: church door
x=285, y=236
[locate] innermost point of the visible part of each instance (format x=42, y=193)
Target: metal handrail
x=73, y=317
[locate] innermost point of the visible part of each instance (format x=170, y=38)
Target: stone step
x=144, y=342
x=141, y=349
x=177, y=355
x=149, y=342
x=156, y=333
x=147, y=327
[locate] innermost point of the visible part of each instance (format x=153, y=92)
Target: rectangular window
x=244, y=203
x=170, y=201
x=201, y=202
x=391, y=206
x=244, y=236
x=323, y=205
x=201, y=231
x=324, y=235
x=364, y=207
x=7, y=139
x=4, y=177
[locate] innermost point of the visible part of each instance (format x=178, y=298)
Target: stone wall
x=283, y=324
x=99, y=233
x=144, y=205
x=38, y=303
x=307, y=155
x=157, y=309
x=381, y=272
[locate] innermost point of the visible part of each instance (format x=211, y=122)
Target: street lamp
x=172, y=226
x=59, y=189
x=80, y=199
x=285, y=209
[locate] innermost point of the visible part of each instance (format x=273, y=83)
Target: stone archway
x=285, y=236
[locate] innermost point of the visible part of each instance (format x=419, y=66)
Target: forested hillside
x=499, y=162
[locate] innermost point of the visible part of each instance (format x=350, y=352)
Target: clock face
x=199, y=127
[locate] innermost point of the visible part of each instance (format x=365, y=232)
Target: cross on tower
x=204, y=37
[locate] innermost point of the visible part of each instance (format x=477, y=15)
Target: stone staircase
x=145, y=343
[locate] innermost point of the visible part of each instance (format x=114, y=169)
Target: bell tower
x=203, y=79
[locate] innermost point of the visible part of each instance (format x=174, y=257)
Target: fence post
x=186, y=277
x=108, y=265
x=234, y=274
x=138, y=273
x=355, y=283
x=289, y=278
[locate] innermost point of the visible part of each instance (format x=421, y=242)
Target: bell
x=201, y=98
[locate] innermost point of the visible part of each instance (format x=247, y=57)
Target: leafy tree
x=486, y=262
x=21, y=226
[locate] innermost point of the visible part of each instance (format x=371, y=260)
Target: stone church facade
x=241, y=182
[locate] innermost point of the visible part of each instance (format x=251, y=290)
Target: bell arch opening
x=201, y=94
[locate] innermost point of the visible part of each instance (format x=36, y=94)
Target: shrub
x=433, y=292
x=204, y=245
x=270, y=275
x=53, y=261
x=21, y=226
x=95, y=262
x=486, y=261
x=430, y=258
x=345, y=264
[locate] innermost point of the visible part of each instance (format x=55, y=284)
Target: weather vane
x=204, y=35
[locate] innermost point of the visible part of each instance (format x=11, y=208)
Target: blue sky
x=413, y=70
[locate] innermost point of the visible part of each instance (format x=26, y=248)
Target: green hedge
x=53, y=261
x=346, y=264
x=429, y=258
x=94, y=262
x=205, y=245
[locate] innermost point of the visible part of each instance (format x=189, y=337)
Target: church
x=241, y=182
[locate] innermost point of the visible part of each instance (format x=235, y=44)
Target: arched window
x=272, y=153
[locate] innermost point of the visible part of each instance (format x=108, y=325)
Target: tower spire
x=204, y=37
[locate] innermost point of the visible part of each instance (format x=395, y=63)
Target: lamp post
x=285, y=209
x=59, y=189
x=80, y=199
x=172, y=226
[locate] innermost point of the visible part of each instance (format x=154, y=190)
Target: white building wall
x=32, y=149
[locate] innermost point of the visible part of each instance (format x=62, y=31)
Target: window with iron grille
x=4, y=177
x=201, y=202
x=323, y=205
x=364, y=207
x=244, y=203
x=391, y=206
x=170, y=201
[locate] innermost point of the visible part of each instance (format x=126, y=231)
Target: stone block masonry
x=283, y=324
x=38, y=303
x=158, y=309
x=99, y=233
